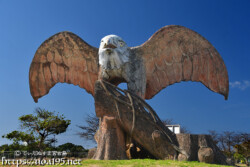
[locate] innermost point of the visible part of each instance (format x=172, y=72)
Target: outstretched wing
x=64, y=58
x=174, y=54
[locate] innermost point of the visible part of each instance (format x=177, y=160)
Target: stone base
x=119, y=121
x=200, y=148
x=91, y=153
x=124, y=115
x=110, y=140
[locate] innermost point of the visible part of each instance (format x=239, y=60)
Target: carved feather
x=64, y=58
x=174, y=54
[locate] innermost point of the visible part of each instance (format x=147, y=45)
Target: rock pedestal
x=91, y=153
x=120, y=121
x=125, y=116
x=200, y=148
x=110, y=139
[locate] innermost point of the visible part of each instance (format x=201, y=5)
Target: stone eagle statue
x=173, y=54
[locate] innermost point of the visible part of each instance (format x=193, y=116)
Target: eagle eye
x=121, y=44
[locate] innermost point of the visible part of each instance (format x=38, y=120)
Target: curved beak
x=110, y=46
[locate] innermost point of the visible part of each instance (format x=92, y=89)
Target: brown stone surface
x=176, y=53
x=173, y=54
x=206, y=154
x=110, y=140
x=189, y=143
x=146, y=132
x=182, y=157
x=91, y=153
x=200, y=147
x=64, y=58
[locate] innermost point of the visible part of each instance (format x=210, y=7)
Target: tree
x=234, y=145
x=243, y=151
x=88, y=131
x=225, y=141
x=40, y=127
x=229, y=141
x=70, y=147
x=244, y=137
x=18, y=136
x=214, y=135
x=73, y=150
x=12, y=147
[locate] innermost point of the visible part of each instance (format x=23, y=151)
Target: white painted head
x=113, y=52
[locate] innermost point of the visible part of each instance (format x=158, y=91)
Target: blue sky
x=24, y=25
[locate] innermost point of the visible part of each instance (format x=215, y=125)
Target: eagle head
x=113, y=52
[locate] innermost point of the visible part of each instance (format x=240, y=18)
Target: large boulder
x=206, y=154
x=200, y=148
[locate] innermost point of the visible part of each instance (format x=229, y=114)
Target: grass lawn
x=145, y=162
x=135, y=163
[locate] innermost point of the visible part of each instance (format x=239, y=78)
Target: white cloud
x=240, y=85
